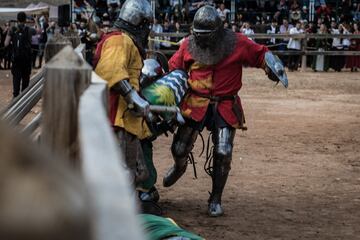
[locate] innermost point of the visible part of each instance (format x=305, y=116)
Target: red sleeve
x=177, y=60
x=253, y=53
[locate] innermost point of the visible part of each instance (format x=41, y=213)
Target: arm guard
x=135, y=102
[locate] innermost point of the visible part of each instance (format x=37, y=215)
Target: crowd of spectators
x=279, y=16
x=251, y=16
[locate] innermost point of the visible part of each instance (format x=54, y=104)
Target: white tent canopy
x=10, y=13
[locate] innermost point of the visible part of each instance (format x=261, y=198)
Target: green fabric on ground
x=158, y=228
x=147, y=148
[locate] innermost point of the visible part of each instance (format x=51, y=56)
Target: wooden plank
x=104, y=170
x=40, y=197
x=273, y=35
x=66, y=77
x=22, y=105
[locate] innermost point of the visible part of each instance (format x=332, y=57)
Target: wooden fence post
x=303, y=49
x=66, y=77
x=73, y=37
x=39, y=198
x=54, y=45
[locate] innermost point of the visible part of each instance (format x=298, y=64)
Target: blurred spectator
x=164, y=9
x=272, y=29
x=337, y=62
x=51, y=30
x=295, y=12
x=345, y=11
x=304, y=13
x=6, y=50
x=353, y=62
x=271, y=6
x=21, y=36
x=194, y=5
x=177, y=10
x=43, y=38
x=246, y=29
x=223, y=12
x=324, y=13
x=321, y=62
x=234, y=27
x=344, y=29
x=2, y=47
x=294, y=45
x=283, y=8
x=35, y=48
x=284, y=29
x=356, y=12
x=157, y=28
x=167, y=29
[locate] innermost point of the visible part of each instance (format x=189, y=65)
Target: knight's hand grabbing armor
x=136, y=103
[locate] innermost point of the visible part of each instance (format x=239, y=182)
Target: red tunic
x=222, y=79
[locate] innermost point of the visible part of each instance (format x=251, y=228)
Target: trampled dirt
x=295, y=172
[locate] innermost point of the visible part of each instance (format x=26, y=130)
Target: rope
x=208, y=166
x=164, y=41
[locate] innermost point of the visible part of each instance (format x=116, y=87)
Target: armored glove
x=271, y=74
x=136, y=103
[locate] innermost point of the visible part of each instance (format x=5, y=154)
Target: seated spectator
x=304, y=13
x=283, y=8
x=234, y=27
x=324, y=13
x=177, y=10
x=356, y=12
x=271, y=6
x=223, y=12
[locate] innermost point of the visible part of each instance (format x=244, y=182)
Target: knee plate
x=183, y=143
x=223, y=139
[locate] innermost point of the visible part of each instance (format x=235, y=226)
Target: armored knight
x=119, y=60
x=214, y=57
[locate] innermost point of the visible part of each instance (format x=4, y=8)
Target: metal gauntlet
x=135, y=102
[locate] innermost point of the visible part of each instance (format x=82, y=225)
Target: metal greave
x=223, y=139
x=182, y=145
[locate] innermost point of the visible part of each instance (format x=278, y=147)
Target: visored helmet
x=207, y=26
x=151, y=71
x=135, y=18
x=136, y=12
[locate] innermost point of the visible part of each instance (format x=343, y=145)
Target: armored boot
x=223, y=142
x=181, y=147
x=219, y=178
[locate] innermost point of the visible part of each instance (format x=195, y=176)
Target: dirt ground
x=295, y=172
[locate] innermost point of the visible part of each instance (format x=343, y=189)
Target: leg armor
x=182, y=145
x=223, y=144
x=132, y=153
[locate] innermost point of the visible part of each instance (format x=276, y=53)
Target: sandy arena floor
x=295, y=172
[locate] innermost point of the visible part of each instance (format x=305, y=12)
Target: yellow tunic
x=120, y=59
